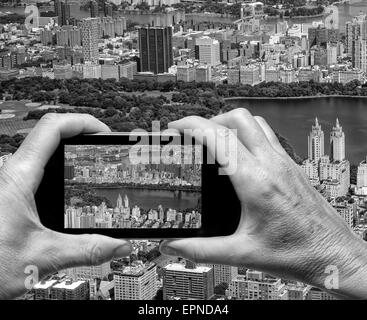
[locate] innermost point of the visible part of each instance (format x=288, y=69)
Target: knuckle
x=50, y=117
x=193, y=118
x=93, y=254
x=260, y=119
x=240, y=113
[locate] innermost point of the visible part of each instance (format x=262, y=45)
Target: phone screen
x=132, y=186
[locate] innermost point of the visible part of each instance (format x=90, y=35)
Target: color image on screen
x=106, y=188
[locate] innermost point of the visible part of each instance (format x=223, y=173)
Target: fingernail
x=123, y=250
x=169, y=251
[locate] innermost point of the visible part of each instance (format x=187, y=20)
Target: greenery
x=212, y=7
x=10, y=144
x=285, y=3
x=221, y=288
x=304, y=12
x=12, y=18
x=82, y=196
x=128, y=104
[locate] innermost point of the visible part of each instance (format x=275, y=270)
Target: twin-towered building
x=332, y=172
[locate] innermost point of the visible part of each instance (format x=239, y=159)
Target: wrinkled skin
x=27, y=248
x=287, y=228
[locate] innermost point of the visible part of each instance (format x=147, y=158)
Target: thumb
x=200, y=250
x=83, y=250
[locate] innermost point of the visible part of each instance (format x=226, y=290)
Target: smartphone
x=136, y=185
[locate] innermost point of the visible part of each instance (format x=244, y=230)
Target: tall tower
x=119, y=201
x=155, y=46
x=126, y=201
x=337, y=143
x=90, y=35
x=316, y=142
x=93, y=8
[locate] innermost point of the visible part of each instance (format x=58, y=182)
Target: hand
x=287, y=228
x=24, y=241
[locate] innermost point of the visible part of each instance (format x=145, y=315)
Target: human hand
x=24, y=241
x=287, y=228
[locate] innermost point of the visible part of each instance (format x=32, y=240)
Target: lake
x=293, y=120
x=148, y=199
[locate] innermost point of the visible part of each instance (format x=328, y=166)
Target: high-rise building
x=57, y=9
x=359, y=58
x=136, y=282
x=188, y=281
x=110, y=71
x=93, y=5
x=70, y=290
x=256, y=285
x=46, y=37
x=362, y=174
x=298, y=291
x=42, y=290
x=155, y=46
x=355, y=29
x=346, y=212
x=224, y=274
x=89, y=31
x=318, y=294
x=108, y=9
x=203, y=73
x=311, y=168
x=128, y=69
x=250, y=75
x=208, y=51
x=332, y=54
x=316, y=142
x=186, y=73
x=89, y=272
x=337, y=143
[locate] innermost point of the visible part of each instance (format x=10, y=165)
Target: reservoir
x=151, y=199
x=293, y=118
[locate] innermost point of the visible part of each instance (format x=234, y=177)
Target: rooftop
x=182, y=267
x=44, y=284
x=68, y=285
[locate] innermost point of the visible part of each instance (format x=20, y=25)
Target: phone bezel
x=220, y=205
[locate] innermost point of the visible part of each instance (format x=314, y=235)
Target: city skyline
x=129, y=63
x=112, y=166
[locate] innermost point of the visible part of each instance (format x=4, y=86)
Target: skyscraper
x=354, y=30
x=93, y=8
x=362, y=174
x=119, y=202
x=316, y=142
x=224, y=274
x=256, y=285
x=108, y=9
x=337, y=143
x=155, y=45
x=359, y=58
x=208, y=51
x=137, y=282
x=70, y=290
x=188, y=281
x=65, y=10
x=89, y=31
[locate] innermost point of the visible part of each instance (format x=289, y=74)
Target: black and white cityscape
x=106, y=187
x=301, y=64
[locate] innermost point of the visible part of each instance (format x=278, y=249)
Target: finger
x=249, y=131
x=221, y=143
x=67, y=251
x=41, y=143
x=270, y=134
x=201, y=250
